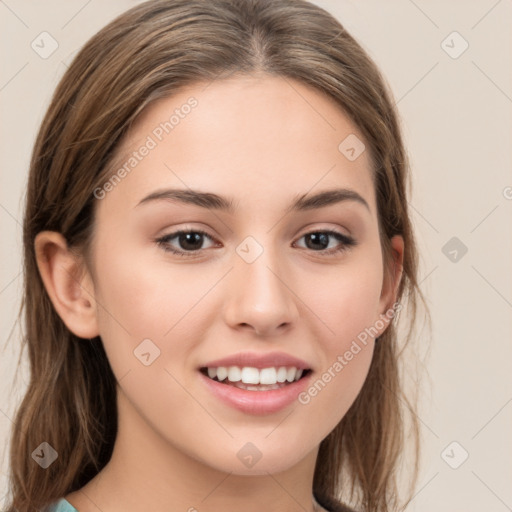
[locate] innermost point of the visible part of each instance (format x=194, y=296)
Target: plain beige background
x=456, y=105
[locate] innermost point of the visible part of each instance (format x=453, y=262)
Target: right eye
x=191, y=241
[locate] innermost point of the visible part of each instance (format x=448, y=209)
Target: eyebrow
x=213, y=201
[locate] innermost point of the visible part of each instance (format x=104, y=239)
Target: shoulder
x=332, y=505
x=61, y=505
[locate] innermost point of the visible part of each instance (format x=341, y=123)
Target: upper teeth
x=250, y=375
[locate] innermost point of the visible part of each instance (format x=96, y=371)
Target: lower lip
x=257, y=402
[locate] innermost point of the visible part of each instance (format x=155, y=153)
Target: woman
x=259, y=370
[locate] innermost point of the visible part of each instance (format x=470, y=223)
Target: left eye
x=190, y=241
x=322, y=238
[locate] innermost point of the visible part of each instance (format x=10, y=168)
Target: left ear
x=393, y=270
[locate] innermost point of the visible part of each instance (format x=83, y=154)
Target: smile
x=254, y=379
x=255, y=398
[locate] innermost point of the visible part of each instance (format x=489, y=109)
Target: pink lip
x=255, y=360
x=256, y=402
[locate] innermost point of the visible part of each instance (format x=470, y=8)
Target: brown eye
x=318, y=241
x=188, y=241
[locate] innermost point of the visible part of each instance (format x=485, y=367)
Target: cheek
x=146, y=298
x=346, y=362
x=336, y=386
x=133, y=305
x=348, y=306
x=346, y=299
x=142, y=299
x=145, y=318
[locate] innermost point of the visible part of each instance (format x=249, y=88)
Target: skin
x=261, y=140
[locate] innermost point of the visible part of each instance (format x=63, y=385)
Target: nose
x=260, y=298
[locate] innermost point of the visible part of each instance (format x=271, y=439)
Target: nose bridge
x=258, y=289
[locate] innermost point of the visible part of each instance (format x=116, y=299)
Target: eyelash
x=347, y=242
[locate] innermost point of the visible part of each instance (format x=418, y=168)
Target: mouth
x=255, y=379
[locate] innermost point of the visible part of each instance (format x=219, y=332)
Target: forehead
x=251, y=137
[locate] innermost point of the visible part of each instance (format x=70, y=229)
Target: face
x=271, y=282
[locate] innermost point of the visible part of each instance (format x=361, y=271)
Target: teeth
x=249, y=375
x=268, y=376
x=234, y=374
x=281, y=374
x=222, y=373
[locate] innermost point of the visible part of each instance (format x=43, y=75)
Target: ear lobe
x=68, y=283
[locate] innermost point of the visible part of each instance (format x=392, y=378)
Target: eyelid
x=347, y=241
x=163, y=241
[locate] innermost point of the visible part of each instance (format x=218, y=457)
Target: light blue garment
x=62, y=506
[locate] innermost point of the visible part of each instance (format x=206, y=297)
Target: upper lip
x=255, y=360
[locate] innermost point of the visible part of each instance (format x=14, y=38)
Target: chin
x=248, y=460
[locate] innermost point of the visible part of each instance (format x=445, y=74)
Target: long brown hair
x=147, y=53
